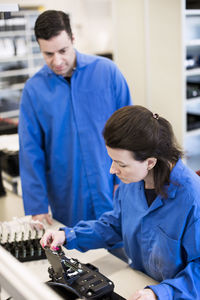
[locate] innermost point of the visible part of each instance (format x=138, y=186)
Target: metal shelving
x=21, y=57
x=192, y=76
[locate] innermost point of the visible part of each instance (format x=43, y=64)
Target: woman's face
x=127, y=168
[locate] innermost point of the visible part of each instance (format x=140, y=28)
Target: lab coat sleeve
x=32, y=158
x=186, y=283
x=121, y=89
x=122, y=96
x=102, y=233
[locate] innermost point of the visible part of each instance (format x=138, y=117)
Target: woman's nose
x=113, y=169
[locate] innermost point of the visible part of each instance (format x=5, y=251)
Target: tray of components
x=22, y=239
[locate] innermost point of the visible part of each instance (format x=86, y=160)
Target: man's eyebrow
x=64, y=48
x=47, y=52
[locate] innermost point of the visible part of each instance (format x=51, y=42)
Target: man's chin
x=60, y=72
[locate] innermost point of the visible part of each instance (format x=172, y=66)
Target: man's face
x=59, y=54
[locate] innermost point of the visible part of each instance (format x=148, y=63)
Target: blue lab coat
x=162, y=240
x=63, y=159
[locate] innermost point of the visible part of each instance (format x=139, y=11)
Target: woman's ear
x=151, y=162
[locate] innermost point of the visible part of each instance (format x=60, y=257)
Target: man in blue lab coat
x=64, y=106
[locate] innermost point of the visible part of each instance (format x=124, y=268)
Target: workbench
x=126, y=280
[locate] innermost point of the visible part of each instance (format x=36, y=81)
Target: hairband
x=155, y=116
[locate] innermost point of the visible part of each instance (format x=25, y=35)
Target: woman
x=156, y=208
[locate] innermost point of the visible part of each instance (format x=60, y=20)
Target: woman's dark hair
x=50, y=23
x=145, y=134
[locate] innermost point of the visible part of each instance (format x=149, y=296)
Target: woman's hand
x=145, y=294
x=53, y=239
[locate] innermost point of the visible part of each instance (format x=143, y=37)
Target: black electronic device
x=193, y=90
x=10, y=162
x=74, y=280
x=193, y=87
x=193, y=121
x=192, y=4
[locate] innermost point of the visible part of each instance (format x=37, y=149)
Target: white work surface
x=9, y=142
x=126, y=280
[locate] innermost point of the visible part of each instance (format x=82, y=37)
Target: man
x=64, y=106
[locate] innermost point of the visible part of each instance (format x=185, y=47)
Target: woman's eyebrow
x=118, y=161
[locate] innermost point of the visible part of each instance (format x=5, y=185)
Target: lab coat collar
x=172, y=187
x=83, y=60
x=175, y=179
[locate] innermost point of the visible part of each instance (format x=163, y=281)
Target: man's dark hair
x=137, y=129
x=50, y=23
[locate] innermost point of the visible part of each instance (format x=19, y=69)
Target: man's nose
x=57, y=59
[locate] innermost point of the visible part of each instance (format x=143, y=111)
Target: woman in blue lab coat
x=156, y=208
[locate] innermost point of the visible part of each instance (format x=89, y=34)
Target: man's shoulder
x=84, y=60
x=41, y=73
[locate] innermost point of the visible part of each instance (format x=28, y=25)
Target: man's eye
x=122, y=166
x=63, y=51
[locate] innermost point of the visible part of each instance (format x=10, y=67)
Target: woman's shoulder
x=185, y=184
x=184, y=175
